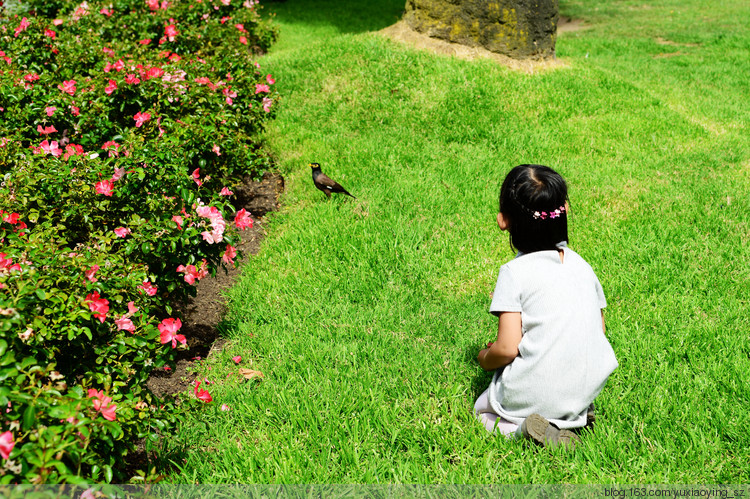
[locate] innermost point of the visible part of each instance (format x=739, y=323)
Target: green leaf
x=27, y=361
x=58, y=412
x=108, y=473
x=29, y=418
x=7, y=373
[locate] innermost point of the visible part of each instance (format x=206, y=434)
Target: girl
x=551, y=358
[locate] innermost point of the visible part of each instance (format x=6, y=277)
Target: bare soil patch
x=401, y=32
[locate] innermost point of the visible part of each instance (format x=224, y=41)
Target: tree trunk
x=522, y=29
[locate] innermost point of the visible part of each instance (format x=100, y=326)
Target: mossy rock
x=523, y=29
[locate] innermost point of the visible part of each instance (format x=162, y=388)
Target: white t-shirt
x=564, y=358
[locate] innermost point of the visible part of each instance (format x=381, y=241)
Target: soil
x=201, y=314
x=402, y=33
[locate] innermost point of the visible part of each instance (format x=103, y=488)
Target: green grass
x=366, y=315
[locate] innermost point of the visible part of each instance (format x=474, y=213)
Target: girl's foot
x=547, y=434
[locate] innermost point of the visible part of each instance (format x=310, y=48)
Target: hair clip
x=552, y=214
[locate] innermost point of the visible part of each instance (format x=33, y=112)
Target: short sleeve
x=600, y=293
x=507, y=295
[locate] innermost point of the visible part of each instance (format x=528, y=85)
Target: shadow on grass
x=350, y=16
x=482, y=380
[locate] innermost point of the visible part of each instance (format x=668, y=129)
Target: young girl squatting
x=551, y=357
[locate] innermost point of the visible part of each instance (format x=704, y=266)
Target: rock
x=522, y=29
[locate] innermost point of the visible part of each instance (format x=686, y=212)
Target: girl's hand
x=483, y=354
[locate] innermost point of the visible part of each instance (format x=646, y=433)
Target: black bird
x=324, y=183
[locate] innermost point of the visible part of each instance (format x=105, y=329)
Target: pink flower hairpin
x=552, y=214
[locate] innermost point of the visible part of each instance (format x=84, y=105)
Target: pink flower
x=218, y=224
x=68, y=86
x=57, y=22
x=243, y=41
x=240, y=27
x=106, y=12
x=118, y=174
x=98, y=305
x=171, y=32
x=196, y=177
x=90, y=273
x=111, y=87
x=132, y=79
x=108, y=51
x=51, y=148
x=237, y=359
x=145, y=41
x=216, y=149
x=6, y=444
x=111, y=152
x=88, y=494
x=105, y=187
x=261, y=87
x=73, y=150
x=192, y=273
x=229, y=96
x=141, y=118
x=202, y=395
x=229, y=255
x=132, y=308
x=102, y=404
x=178, y=220
x=75, y=111
x=31, y=77
x=202, y=80
x=22, y=27
x=50, y=110
x=242, y=220
x=225, y=192
x=168, y=329
x=7, y=263
x=270, y=80
x=108, y=412
x=50, y=33
x=46, y=130
x=125, y=324
x=122, y=231
x=224, y=407
x=267, y=104
x=149, y=288
x=154, y=73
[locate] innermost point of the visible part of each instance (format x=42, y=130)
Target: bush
x=124, y=127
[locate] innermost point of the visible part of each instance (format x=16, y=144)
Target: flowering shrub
x=123, y=127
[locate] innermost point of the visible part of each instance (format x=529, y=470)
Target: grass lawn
x=366, y=315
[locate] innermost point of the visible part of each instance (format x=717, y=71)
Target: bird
x=324, y=183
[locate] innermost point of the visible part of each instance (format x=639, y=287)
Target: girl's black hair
x=530, y=190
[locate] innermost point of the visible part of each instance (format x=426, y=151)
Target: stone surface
x=523, y=29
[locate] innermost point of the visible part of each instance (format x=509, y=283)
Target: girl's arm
x=505, y=349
